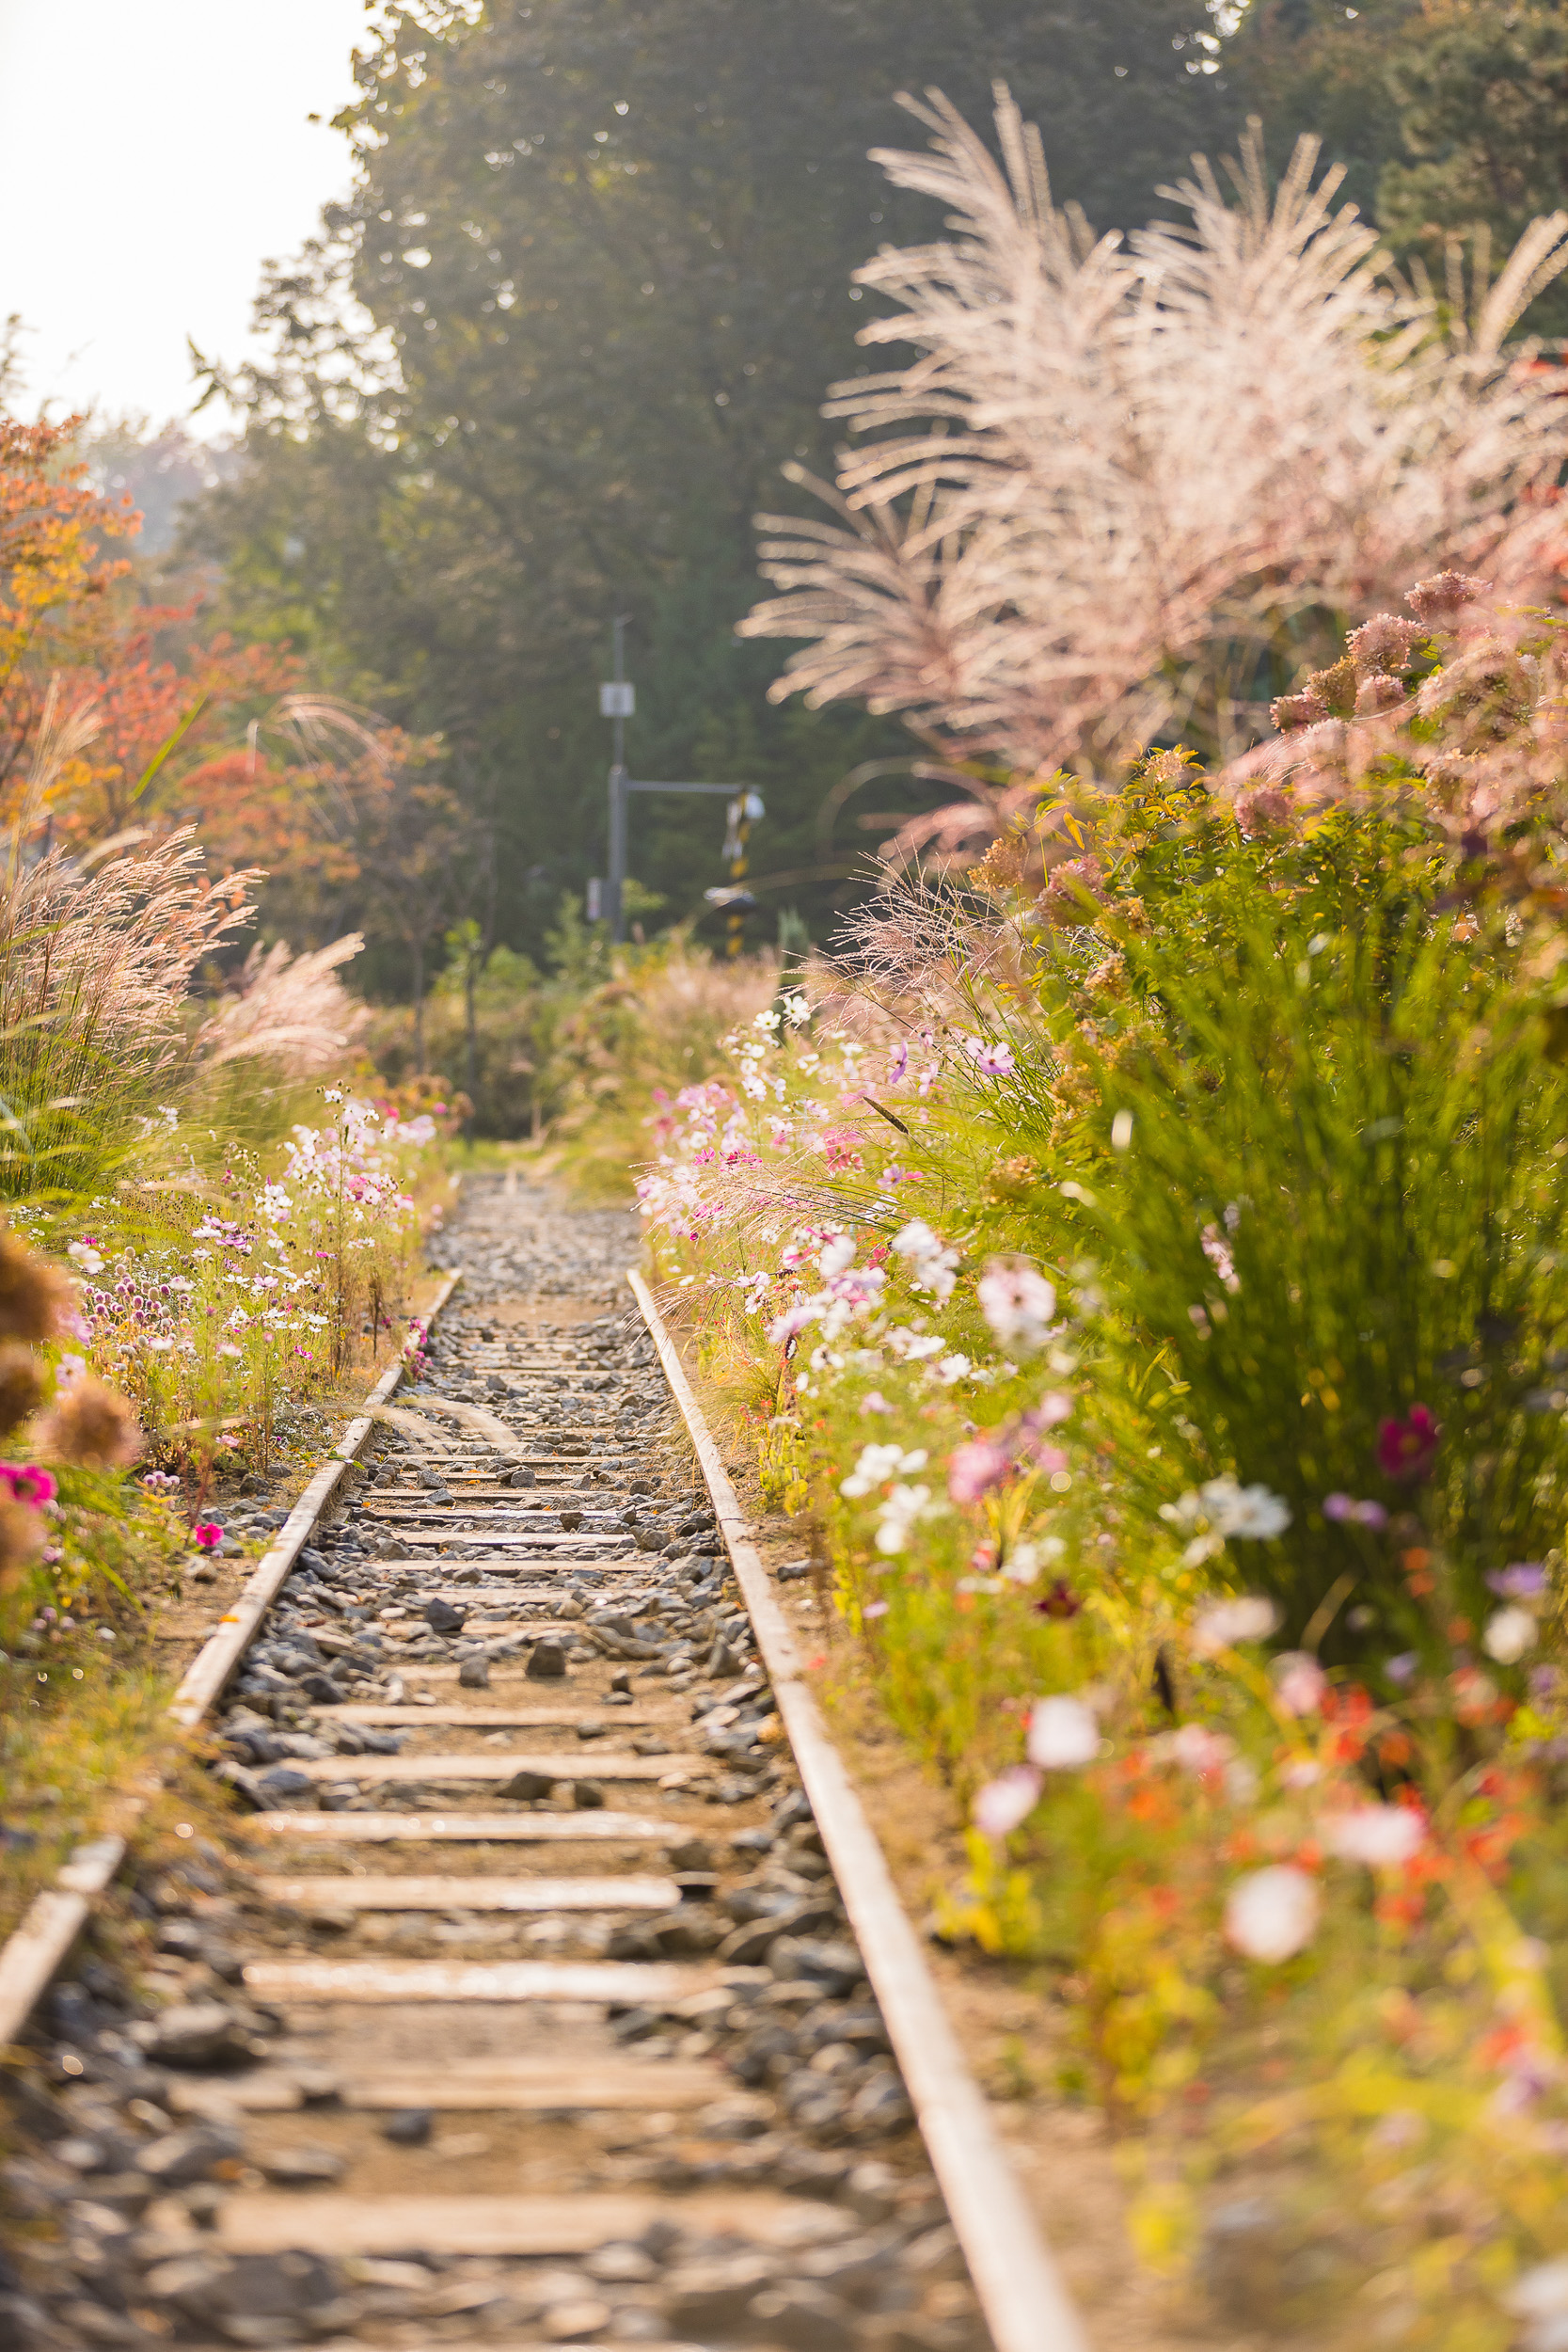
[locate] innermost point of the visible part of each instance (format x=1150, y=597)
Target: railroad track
x=523, y=2006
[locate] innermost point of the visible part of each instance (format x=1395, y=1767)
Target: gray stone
x=699, y=2296
x=283, y=1787
x=410, y=2127
x=190, y=2281
x=528, y=1787
x=836, y=1966
x=303, y=2166
x=474, y=1674
x=587, y=1796
x=202, y=2033
x=442, y=1616
x=881, y=2107
x=547, y=1663
x=621, y=2266
x=804, y=2317
x=187, y=2155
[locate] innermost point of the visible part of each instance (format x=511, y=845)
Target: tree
x=547, y=362
x=1449, y=114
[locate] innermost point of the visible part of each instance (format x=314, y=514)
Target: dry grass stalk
x=288, y=1009
x=105, y=956
x=1119, y=475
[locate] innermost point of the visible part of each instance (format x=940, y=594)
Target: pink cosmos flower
x=1345, y=1507
x=1407, y=1449
x=974, y=1468
x=1300, y=1683
x=207, y=1535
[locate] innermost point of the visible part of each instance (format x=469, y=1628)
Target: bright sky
x=152, y=154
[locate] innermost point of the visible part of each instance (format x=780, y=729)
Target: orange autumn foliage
x=161, y=728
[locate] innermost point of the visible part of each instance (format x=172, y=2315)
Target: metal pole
x=615, y=884
x=615, y=910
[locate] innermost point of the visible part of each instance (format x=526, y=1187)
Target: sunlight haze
x=158, y=154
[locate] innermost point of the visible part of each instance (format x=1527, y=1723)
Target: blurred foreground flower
x=1381, y=1835
x=1509, y=1634
x=1270, y=1915
x=1300, y=1683
x=33, y=1297
x=1224, y=1623
x=1007, y=1800
x=207, y=1535
x=1407, y=1449
x=1018, y=1305
x=92, y=1425
x=1062, y=1732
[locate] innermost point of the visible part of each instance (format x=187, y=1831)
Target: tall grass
x=1316, y=1157
x=95, y=965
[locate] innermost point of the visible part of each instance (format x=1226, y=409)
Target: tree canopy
x=546, y=364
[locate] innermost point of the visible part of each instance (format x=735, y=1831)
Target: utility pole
x=618, y=702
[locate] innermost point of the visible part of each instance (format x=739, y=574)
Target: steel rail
x=1015, y=2275
x=38, y=1947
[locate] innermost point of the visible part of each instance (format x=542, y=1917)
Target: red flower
x=1407, y=1449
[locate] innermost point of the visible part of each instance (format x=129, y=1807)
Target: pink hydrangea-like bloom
x=1407, y=1449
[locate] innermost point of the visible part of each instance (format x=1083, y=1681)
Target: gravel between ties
x=730, y=2153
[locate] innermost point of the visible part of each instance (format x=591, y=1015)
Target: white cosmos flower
x=1062, y=1732
x=1019, y=1304
x=1541, y=2293
x=1201, y=1752
x=1509, y=1633
x=1007, y=1800
x=904, y=1509
x=1224, y=1623
x=880, y=1462
x=1273, y=1914
x=932, y=1267
x=838, y=1256
x=1226, y=1508
x=1381, y=1835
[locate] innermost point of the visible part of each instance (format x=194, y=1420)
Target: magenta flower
x=207, y=1535
x=1407, y=1449
x=974, y=1468
x=27, y=1483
